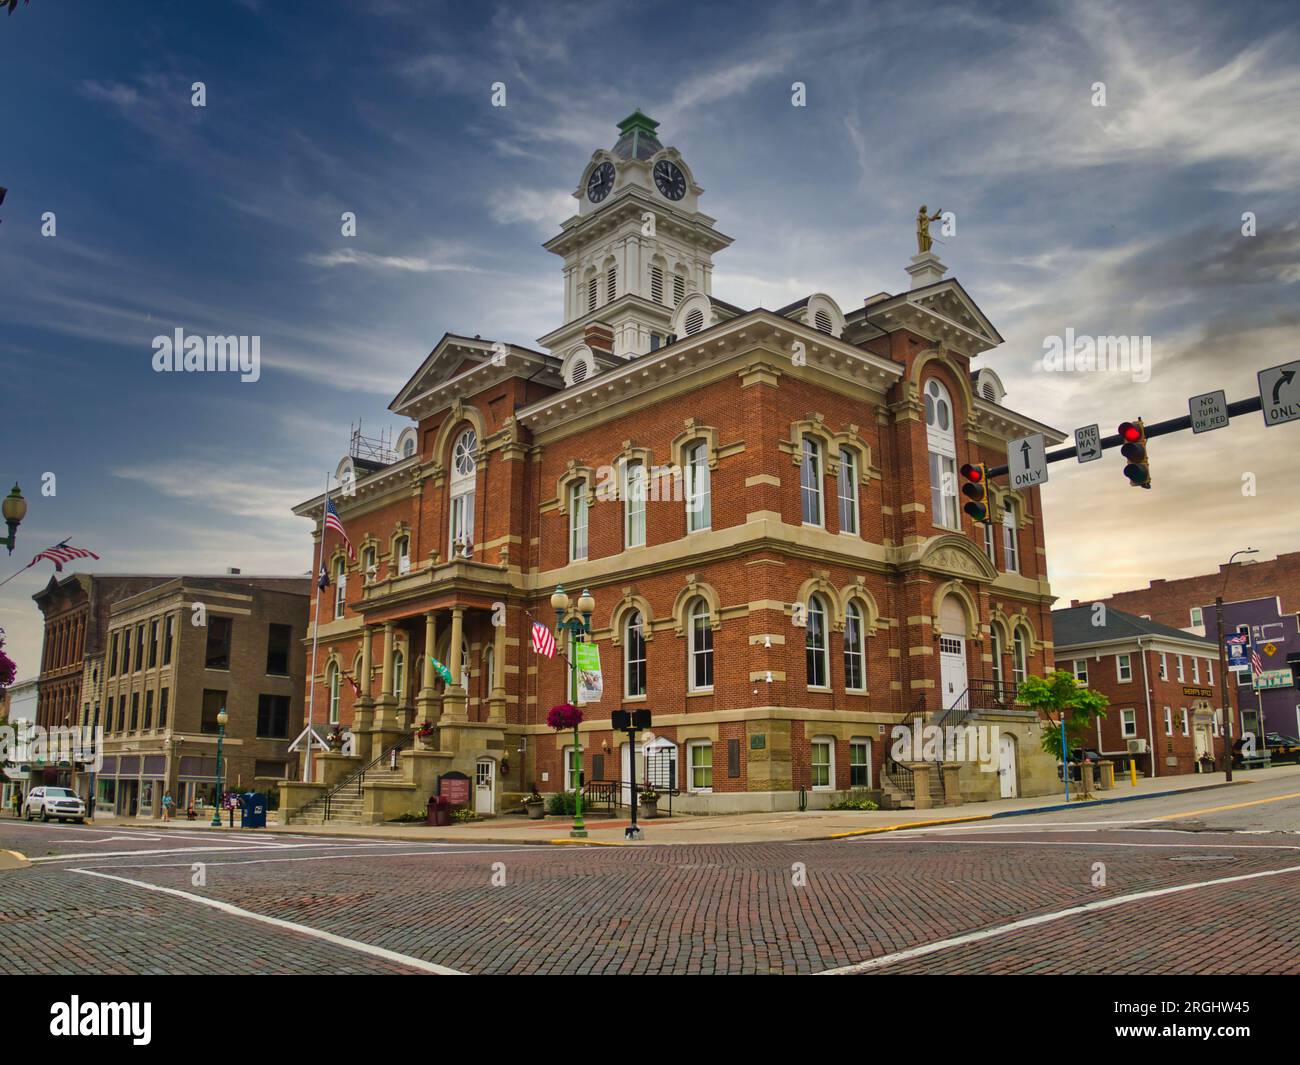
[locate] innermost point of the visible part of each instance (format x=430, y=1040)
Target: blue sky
x=225, y=220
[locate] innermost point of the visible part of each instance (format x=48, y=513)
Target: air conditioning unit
x=1137, y=746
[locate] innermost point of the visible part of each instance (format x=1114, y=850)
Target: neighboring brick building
x=1162, y=684
x=1262, y=598
x=164, y=679
x=762, y=503
x=75, y=609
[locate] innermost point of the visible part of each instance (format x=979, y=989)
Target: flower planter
x=649, y=810
x=536, y=810
x=427, y=743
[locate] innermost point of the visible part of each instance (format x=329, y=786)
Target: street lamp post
x=222, y=718
x=1223, y=663
x=575, y=628
x=15, y=509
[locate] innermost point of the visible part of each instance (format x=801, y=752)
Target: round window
x=463, y=456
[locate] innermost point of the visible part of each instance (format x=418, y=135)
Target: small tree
x=1059, y=695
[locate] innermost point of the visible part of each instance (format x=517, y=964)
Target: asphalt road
x=1200, y=883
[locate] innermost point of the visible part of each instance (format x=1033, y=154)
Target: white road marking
x=183, y=850
x=1102, y=843
x=1047, y=918
x=329, y=858
x=316, y=933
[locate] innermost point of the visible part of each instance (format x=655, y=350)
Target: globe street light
x=575, y=628
x=222, y=718
x=15, y=509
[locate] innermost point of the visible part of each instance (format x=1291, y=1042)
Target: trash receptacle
x=439, y=811
x=1106, y=774
x=252, y=813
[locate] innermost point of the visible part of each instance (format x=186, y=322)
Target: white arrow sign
x=1087, y=443
x=1279, y=392
x=1027, y=461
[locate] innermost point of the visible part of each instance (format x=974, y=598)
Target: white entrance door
x=1007, y=767
x=485, y=786
x=952, y=669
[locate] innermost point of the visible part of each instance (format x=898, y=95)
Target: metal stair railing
x=357, y=778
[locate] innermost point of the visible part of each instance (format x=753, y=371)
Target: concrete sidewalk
x=748, y=828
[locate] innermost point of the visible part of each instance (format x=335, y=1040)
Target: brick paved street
x=104, y=900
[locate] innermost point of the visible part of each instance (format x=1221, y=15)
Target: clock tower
x=637, y=247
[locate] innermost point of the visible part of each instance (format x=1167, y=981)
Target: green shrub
x=855, y=800
x=463, y=814
x=563, y=803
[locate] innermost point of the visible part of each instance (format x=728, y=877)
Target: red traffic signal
x=1134, y=448
x=976, y=490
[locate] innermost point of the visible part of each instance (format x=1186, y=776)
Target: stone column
x=363, y=717
x=454, y=700
x=386, y=708
x=427, y=701
x=497, y=698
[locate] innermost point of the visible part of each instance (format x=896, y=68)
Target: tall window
x=153, y=643
x=859, y=762
x=464, y=467
x=162, y=707
x=634, y=655
x=810, y=482
x=611, y=284
x=699, y=755
x=701, y=646
x=699, y=493
x=139, y=647
x=169, y=633
x=577, y=521
x=148, y=710
x=277, y=649
x=135, y=711
x=848, y=491
x=213, y=703
x=942, y=445
x=989, y=550
x=332, y=686
x=112, y=656
x=593, y=292
x=657, y=284
x=572, y=765
x=273, y=716
x=1009, y=543
x=1124, y=668
x=1198, y=617
x=634, y=505
x=125, y=665
x=998, y=651
x=679, y=289
x=822, y=763
x=402, y=554
x=218, y=648
x=1081, y=671
x=815, y=643
x=1164, y=666
x=369, y=565
x=1020, y=658
x=855, y=659
x=340, y=587
x=399, y=677
x=108, y=714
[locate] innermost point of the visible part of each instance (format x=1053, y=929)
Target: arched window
x=847, y=486
x=1010, y=542
x=332, y=686
x=855, y=648
x=701, y=646
x=399, y=677
x=634, y=505
x=1020, y=657
x=464, y=467
x=818, y=663
x=402, y=553
x=577, y=521
x=634, y=671
x=810, y=482
x=699, y=492
x=340, y=586
x=694, y=321
x=408, y=448
x=369, y=567
x=942, y=445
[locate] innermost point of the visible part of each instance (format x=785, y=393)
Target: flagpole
x=315, y=634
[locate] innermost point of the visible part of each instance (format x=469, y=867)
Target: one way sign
x=1027, y=461
x=1279, y=393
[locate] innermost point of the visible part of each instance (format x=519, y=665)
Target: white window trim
x=1081, y=666
x=855, y=614
x=1010, y=545
x=628, y=660
x=1121, y=666
x=691, y=632
x=1164, y=666
x=813, y=470
x=1169, y=721
x=1186, y=722
x=816, y=741
x=825, y=653
x=1128, y=723
x=579, y=528
x=690, y=767
x=697, y=474
x=1178, y=667
x=849, y=473
x=634, y=511
x=860, y=741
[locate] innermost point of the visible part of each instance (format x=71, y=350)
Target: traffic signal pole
x=1173, y=425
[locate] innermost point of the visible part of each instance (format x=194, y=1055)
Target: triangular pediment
x=452, y=355
x=943, y=311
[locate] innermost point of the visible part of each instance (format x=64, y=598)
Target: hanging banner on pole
x=1238, y=655
x=591, y=685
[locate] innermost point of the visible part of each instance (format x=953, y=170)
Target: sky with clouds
x=1124, y=219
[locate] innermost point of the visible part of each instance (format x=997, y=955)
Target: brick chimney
x=599, y=337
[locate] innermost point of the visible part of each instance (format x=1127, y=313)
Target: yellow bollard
x=1133, y=772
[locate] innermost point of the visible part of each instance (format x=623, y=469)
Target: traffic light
x=976, y=489
x=1134, y=448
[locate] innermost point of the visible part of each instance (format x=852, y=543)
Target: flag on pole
x=543, y=640
x=61, y=553
x=356, y=688
x=323, y=581
x=332, y=522
x=1256, y=663
x=440, y=669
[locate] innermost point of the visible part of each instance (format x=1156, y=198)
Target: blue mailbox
x=253, y=812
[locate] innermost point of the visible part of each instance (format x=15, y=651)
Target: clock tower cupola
x=638, y=245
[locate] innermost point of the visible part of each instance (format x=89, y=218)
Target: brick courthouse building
x=763, y=505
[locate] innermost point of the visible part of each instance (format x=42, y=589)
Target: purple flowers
x=564, y=716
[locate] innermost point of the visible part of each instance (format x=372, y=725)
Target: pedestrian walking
x=167, y=806
x=18, y=802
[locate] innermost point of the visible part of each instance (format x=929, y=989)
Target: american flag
x=61, y=553
x=356, y=688
x=332, y=522
x=543, y=640
x=1256, y=663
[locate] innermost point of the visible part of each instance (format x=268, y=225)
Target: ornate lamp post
x=222, y=718
x=15, y=509
x=574, y=628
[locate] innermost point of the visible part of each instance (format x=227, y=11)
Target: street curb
x=13, y=860
x=1026, y=813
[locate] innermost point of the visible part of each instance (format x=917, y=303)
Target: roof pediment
x=458, y=365
x=942, y=311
